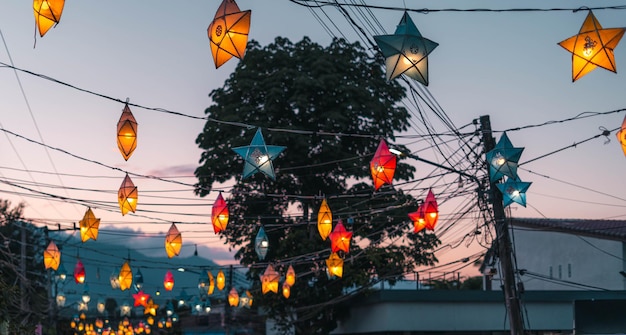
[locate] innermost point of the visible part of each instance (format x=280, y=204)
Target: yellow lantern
x=324, y=220
x=127, y=133
x=221, y=280
x=51, y=257
x=290, y=276
x=126, y=276
x=286, y=290
x=621, y=135
x=151, y=308
x=89, y=226
x=228, y=32
x=211, y=284
x=127, y=196
x=334, y=265
x=233, y=297
x=269, y=280
x=47, y=14
x=173, y=242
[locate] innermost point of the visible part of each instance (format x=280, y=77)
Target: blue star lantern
x=513, y=190
x=406, y=51
x=258, y=156
x=503, y=159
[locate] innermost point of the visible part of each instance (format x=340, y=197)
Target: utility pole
x=503, y=241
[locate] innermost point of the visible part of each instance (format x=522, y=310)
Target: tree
x=328, y=106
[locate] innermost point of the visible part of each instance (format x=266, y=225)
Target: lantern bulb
x=588, y=47
x=380, y=169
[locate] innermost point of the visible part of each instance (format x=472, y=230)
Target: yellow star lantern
x=127, y=196
x=334, y=265
x=228, y=32
x=127, y=133
x=621, y=135
x=47, y=14
x=151, y=308
x=125, y=276
x=221, y=280
x=173, y=242
x=324, y=220
x=592, y=47
x=51, y=257
x=89, y=226
x=269, y=280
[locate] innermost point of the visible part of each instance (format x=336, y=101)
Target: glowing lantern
x=173, y=241
x=249, y=298
x=383, y=165
x=340, y=238
x=258, y=156
x=101, y=305
x=51, y=257
x=127, y=133
x=290, y=276
x=47, y=14
x=233, y=297
x=286, y=290
x=141, y=298
x=621, y=135
x=221, y=280
x=125, y=309
x=324, y=220
x=61, y=299
x=431, y=211
x=138, y=280
x=151, y=308
x=513, y=190
x=168, y=281
x=418, y=219
x=228, y=32
x=126, y=276
x=211, y=284
x=89, y=226
x=334, y=265
x=219, y=214
x=503, y=159
x=269, y=280
x=127, y=196
x=79, y=272
x=592, y=47
x=261, y=244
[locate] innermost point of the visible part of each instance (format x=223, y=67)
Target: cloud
x=174, y=170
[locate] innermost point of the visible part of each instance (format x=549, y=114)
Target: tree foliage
x=328, y=106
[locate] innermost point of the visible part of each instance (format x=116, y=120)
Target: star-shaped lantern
x=125, y=309
x=334, y=265
x=503, y=159
x=269, y=280
x=621, y=135
x=47, y=14
x=89, y=226
x=417, y=218
x=427, y=214
x=127, y=196
x=173, y=241
x=168, y=281
x=126, y=276
x=141, y=298
x=324, y=220
x=258, y=156
x=151, y=308
x=51, y=256
x=340, y=238
x=406, y=51
x=219, y=214
x=261, y=244
x=383, y=165
x=513, y=190
x=592, y=47
x=127, y=133
x=228, y=32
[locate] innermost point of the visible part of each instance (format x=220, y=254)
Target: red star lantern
x=431, y=211
x=173, y=241
x=324, y=220
x=168, y=281
x=219, y=214
x=141, y=298
x=340, y=238
x=383, y=165
x=418, y=219
x=79, y=272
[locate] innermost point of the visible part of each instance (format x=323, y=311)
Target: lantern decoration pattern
x=258, y=156
x=406, y=51
x=290, y=276
x=89, y=226
x=219, y=214
x=621, y=135
x=127, y=196
x=592, y=47
x=127, y=133
x=126, y=276
x=383, y=165
x=340, y=238
x=261, y=244
x=47, y=13
x=79, y=272
x=141, y=298
x=221, y=280
x=286, y=288
x=233, y=297
x=168, y=281
x=503, y=159
x=151, y=308
x=173, y=241
x=211, y=284
x=334, y=265
x=324, y=220
x=228, y=32
x=513, y=190
x=51, y=256
x=269, y=280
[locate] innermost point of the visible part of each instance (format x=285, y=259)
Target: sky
x=503, y=64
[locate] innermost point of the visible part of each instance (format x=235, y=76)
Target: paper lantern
x=340, y=238
x=503, y=159
x=334, y=265
x=219, y=214
x=47, y=14
x=269, y=280
x=261, y=244
x=431, y=211
x=258, y=156
x=125, y=309
x=228, y=32
x=417, y=218
x=245, y=300
x=286, y=290
x=89, y=226
x=233, y=297
x=101, y=305
x=51, y=256
x=127, y=133
x=324, y=220
x=168, y=281
x=249, y=298
x=151, y=308
x=513, y=190
x=290, y=276
x=79, y=272
x=173, y=241
x=406, y=51
x=61, y=299
x=383, y=165
x=141, y=298
x=211, y=287
x=126, y=276
x=221, y=280
x=114, y=279
x=138, y=280
x=127, y=196
x=592, y=47
x=621, y=135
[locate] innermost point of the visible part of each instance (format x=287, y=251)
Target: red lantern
x=340, y=238
x=79, y=272
x=431, y=211
x=141, y=298
x=168, y=281
x=219, y=215
x=383, y=165
x=418, y=219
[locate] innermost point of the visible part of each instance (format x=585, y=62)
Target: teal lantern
x=261, y=244
x=513, y=190
x=258, y=156
x=503, y=159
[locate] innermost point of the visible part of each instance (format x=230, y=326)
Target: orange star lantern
x=334, y=265
x=621, y=135
x=221, y=280
x=89, y=226
x=219, y=214
x=228, y=32
x=431, y=211
x=47, y=14
x=79, y=272
x=340, y=238
x=383, y=165
x=127, y=133
x=150, y=308
x=290, y=276
x=324, y=220
x=126, y=276
x=141, y=298
x=168, y=281
x=233, y=297
x=269, y=280
x=173, y=241
x=127, y=196
x=51, y=256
